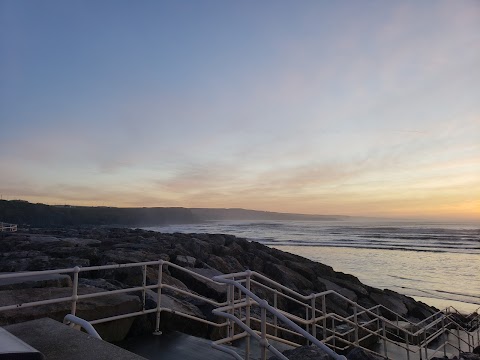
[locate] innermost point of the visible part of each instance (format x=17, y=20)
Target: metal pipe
x=247, y=315
x=159, y=298
x=76, y=270
x=69, y=318
x=263, y=328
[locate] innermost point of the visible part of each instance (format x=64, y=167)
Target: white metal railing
x=264, y=309
x=251, y=298
x=6, y=227
x=76, y=322
x=159, y=267
x=363, y=324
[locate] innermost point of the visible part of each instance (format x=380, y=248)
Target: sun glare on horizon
x=360, y=108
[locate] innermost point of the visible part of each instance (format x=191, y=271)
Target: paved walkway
x=173, y=346
x=59, y=342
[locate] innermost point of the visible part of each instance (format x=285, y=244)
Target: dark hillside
x=41, y=215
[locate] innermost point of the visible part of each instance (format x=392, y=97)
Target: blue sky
x=360, y=108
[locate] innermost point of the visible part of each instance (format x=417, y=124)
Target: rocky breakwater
x=205, y=254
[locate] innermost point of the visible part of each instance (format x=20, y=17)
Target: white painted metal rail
x=259, y=308
x=6, y=227
x=421, y=340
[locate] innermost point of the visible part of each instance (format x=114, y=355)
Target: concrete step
x=59, y=342
x=397, y=352
x=173, y=346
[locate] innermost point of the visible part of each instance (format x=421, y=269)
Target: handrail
x=420, y=334
x=263, y=304
x=434, y=322
x=72, y=320
x=6, y=227
x=328, y=292
x=75, y=297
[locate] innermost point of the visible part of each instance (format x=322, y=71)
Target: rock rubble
x=206, y=254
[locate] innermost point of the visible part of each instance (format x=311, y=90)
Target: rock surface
x=205, y=254
x=88, y=309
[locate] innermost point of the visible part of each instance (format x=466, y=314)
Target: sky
x=367, y=108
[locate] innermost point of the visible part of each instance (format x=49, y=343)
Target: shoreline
x=462, y=307
x=410, y=276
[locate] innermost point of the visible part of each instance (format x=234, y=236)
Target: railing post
x=443, y=337
x=459, y=343
x=275, y=305
x=334, y=334
x=159, y=298
x=76, y=270
x=398, y=330
x=247, y=315
x=229, y=294
x=384, y=335
x=407, y=345
x=263, y=334
x=231, y=289
x=476, y=322
x=306, y=323
x=314, y=311
x=144, y=283
x=425, y=342
x=355, y=317
x=324, y=313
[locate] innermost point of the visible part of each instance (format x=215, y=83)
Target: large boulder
x=392, y=303
x=201, y=285
x=288, y=277
x=36, y=281
x=88, y=309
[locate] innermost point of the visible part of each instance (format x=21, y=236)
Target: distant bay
x=438, y=263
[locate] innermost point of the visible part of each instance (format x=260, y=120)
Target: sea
x=434, y=262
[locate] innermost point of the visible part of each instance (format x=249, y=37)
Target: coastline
x=462, y=307
x=419, y=259
x=389, y=271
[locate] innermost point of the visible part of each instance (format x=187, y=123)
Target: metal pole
x=459, y=343
x=247, y=316
x=275, y=305
x=407, y=345
x=443, y=337
x=159, y=298
x=263, y=340
x=324, y=314
x=425, y=342
x=229, y=302
x=144, y=283
x=232, y=311
x=306, y=323
x=314, y=323
x=384, y=335
x=334, y=332
x=355, y=316
x=398, y=330
x=76, y=270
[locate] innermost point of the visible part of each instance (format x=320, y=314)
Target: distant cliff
x=41, y=215
x=243, y=214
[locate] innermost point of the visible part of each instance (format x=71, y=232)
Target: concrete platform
x=58, y=342
x=173, y=346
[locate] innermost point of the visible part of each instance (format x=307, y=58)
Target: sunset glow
x=357, y=108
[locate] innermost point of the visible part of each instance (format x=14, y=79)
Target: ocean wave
x=375, y=247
